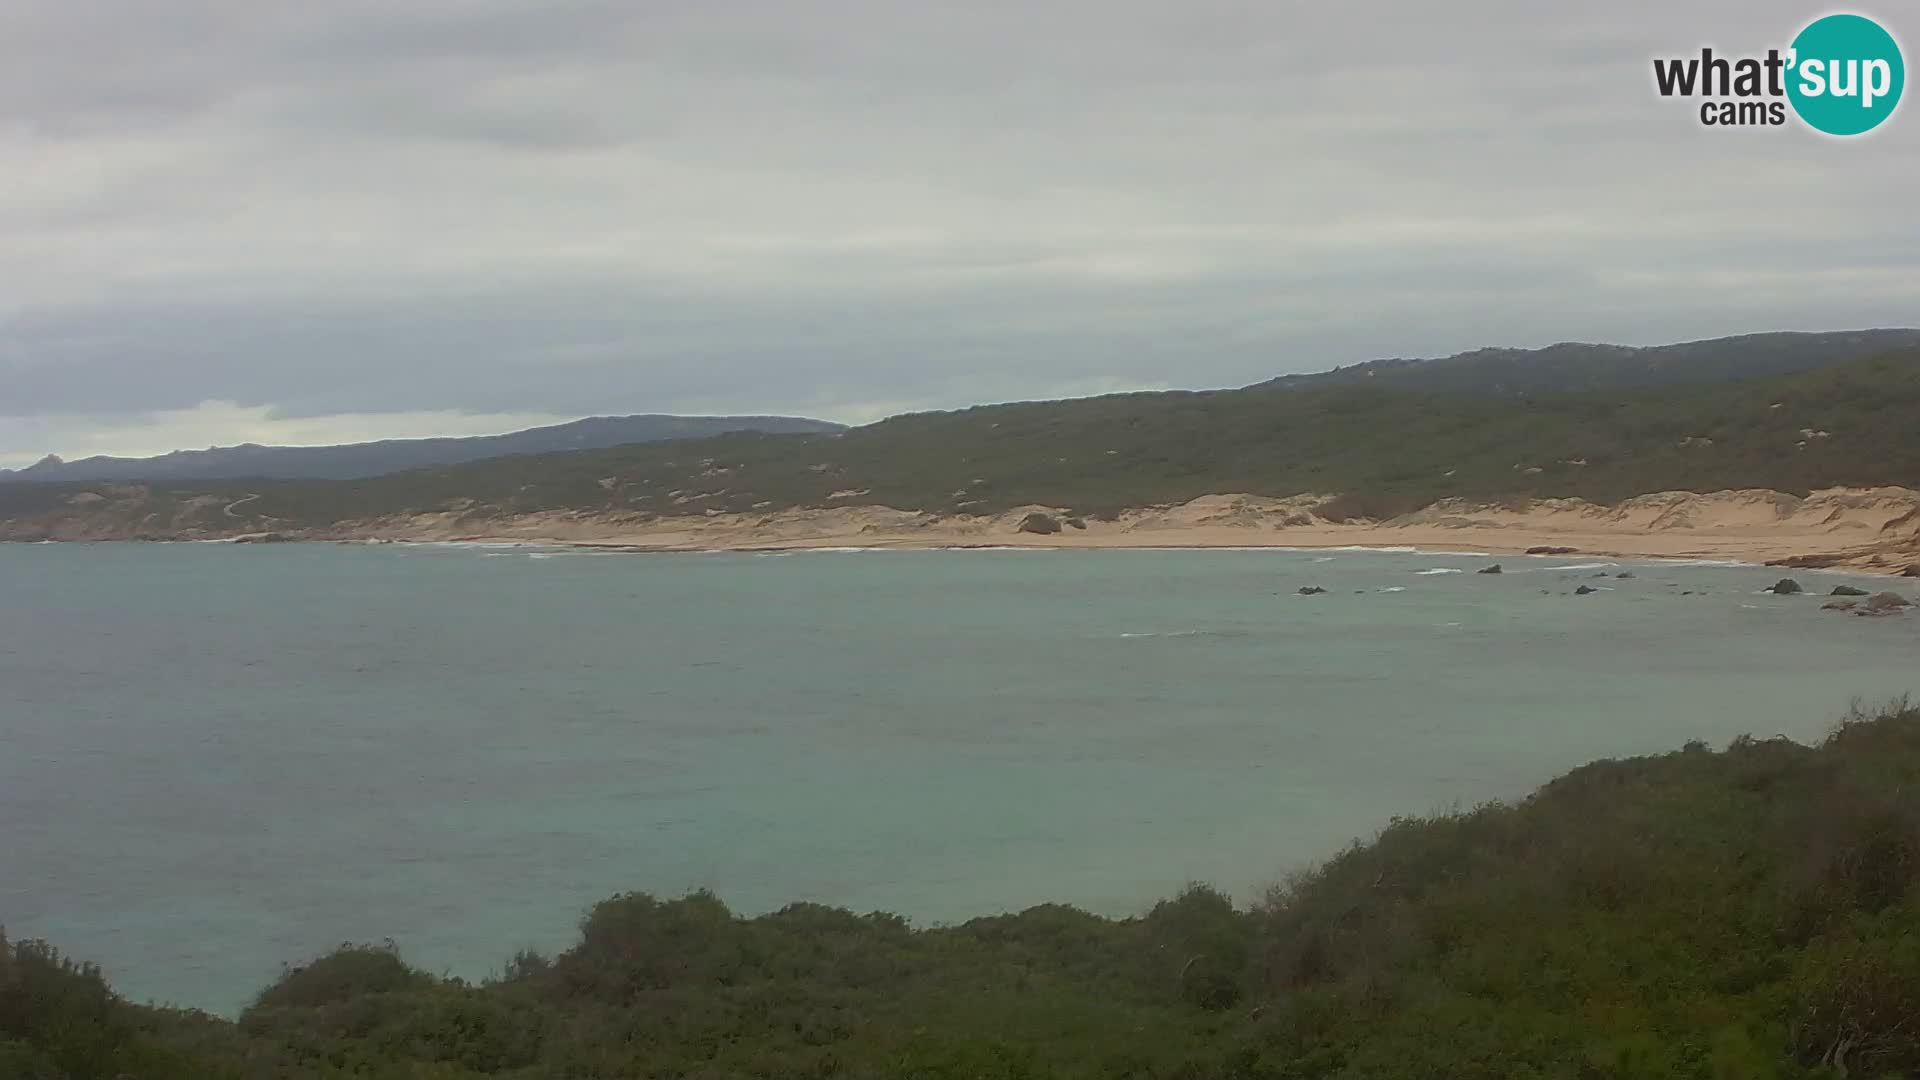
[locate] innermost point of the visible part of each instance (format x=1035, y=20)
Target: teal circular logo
x=1846, y=74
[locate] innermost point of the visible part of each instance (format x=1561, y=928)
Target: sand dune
x=1865, y=528
x=1876, y=528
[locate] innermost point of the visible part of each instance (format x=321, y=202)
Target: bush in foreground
x=1743, y=913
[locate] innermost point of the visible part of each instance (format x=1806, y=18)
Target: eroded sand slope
x=1874, y=528
x=1870, y=528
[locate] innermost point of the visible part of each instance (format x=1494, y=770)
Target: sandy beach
x=1870, y=529
x=1867, y=529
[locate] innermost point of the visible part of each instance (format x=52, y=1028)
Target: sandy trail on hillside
x=1873, y=529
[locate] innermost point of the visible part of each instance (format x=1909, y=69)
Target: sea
x=217, y=760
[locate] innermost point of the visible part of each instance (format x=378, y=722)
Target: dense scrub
x=1386, y=448
x=1749, y=912
x=1400, y=449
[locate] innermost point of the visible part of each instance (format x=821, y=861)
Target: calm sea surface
x=216, y=758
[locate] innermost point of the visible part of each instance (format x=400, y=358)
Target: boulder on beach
x=1911, y=571
x=1039, y=524
x=1847, y=590
x=1076, y=523
x=1311, y=590
x=1786, y=586
x=1494, y=569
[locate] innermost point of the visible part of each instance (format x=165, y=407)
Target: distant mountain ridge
x=1370, y=449
x=353, y=461
x=1575, y=367
x=1568, y=368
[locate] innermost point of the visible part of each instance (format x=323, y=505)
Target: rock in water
x=1311, y=590
x=1847, y=590
x=1840, y=605
x=1494, y=569
x=1884, y=603
x=1585, y=590
x=1786, y=586
x=1808, y=562
x=1040, y=524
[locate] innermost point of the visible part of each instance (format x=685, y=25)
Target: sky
x=254, y=220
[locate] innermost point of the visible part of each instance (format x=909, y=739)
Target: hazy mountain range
x=356, y=460
x=1385, y=444
x=1569, y=368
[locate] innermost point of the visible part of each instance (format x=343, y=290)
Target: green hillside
x=1387, y=450
x=1572, y=367
x=1745, y=913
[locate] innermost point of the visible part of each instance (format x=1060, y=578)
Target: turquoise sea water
x=215, y=759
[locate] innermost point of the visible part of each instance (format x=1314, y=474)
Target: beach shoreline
x=1860, y=529
x=1469, y=546
x=1869, y=530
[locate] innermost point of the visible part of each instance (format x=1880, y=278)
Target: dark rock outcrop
x=1808, y=562
x=1847, y=590
x=1311, y=590
x=1494, y=569
x=1884, y=603
x=1786, y=586
x=1585, y=590
x=1547, y=549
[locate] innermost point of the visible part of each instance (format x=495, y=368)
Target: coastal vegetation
x=1379, y=449
x=1745, y=912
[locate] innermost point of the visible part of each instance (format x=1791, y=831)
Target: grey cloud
x=591, y=206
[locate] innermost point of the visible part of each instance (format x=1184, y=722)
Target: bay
x=216, y=759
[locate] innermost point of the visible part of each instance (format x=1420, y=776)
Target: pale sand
x=1869, y=529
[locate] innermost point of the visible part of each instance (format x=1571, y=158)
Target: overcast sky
x=232, y=220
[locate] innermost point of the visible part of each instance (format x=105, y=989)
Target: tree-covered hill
x=1572, y=367
x=1386, y=450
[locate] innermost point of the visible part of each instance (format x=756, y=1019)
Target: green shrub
x=1742, y=913
x=350, y=971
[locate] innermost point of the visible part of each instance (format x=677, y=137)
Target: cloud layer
x=332, y=216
